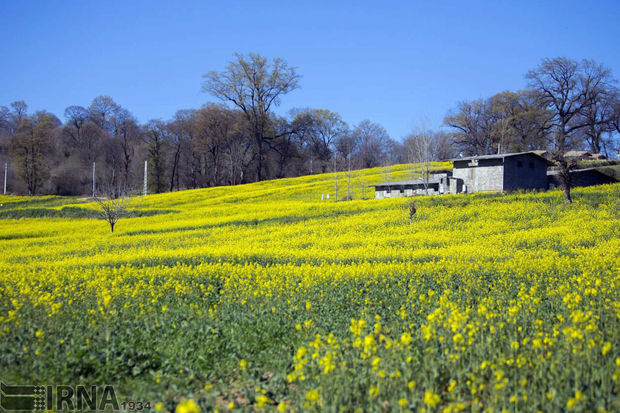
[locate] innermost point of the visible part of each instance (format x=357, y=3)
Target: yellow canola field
x=264, y=297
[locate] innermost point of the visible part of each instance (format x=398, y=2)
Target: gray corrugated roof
x=500, y=156
x=432, y=180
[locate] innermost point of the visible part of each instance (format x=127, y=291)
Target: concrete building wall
x=456, y=185
x=483, y=175
x=525, y=172
x=399, y=191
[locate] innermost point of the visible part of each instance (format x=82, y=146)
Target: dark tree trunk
x=567, y=196
x=175, y=167
x=259, y=164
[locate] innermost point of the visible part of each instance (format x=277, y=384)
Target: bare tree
x=319, y=129
x=371, y=139
x=112, y=209
x=442, y=146
x=563, y=86
x=473, y=128
x=601, y=94
x=214, y=125
x=126, y=132
x=239, y=156
x=346, y=145
x=101, y=111
x=254, y=85
x=30, y=145
x=419, y=156
x=156, y=137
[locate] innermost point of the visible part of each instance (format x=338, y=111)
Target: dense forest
x=566, y=104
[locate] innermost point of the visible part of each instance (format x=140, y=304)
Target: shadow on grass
x=74, y=212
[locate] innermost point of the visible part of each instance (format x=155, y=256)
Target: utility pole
x=5, y=169
x=145, y=176
x=363, y=185
x=94, y=179
x=349, y=180
x=335, y=182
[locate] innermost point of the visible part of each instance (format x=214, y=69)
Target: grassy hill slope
x=262, y=296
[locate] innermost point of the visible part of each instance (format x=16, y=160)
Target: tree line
x=567, y=105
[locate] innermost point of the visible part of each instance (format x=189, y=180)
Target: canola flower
x=483, y=303
x=187, y=406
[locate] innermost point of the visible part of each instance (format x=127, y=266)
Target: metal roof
x=432, y=180
x=501, y=156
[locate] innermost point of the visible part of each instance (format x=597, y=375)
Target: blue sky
x=401, y=64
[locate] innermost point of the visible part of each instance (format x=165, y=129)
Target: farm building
x=502, y=172
x=437, y=183
x=491, y=173
x=581, y=177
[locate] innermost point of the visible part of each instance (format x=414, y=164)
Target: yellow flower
x=106, y=298
x=188, y=406
x=431, y=399
x=159, y=406
x=405, y=339
x=262, y=400
x=606, y=348
x=313, y=395
x=231, y=405
x=574, y=400
x=403, y=402
x=451, y=386
x=373, y=391
x=301, y=352
x=38, y=334
x=243, y=364
x=571, y=403
x=282, y=407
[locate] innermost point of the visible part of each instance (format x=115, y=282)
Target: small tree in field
x=112, y=209
x=419, y=156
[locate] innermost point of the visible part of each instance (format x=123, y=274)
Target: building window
x=519, y=164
